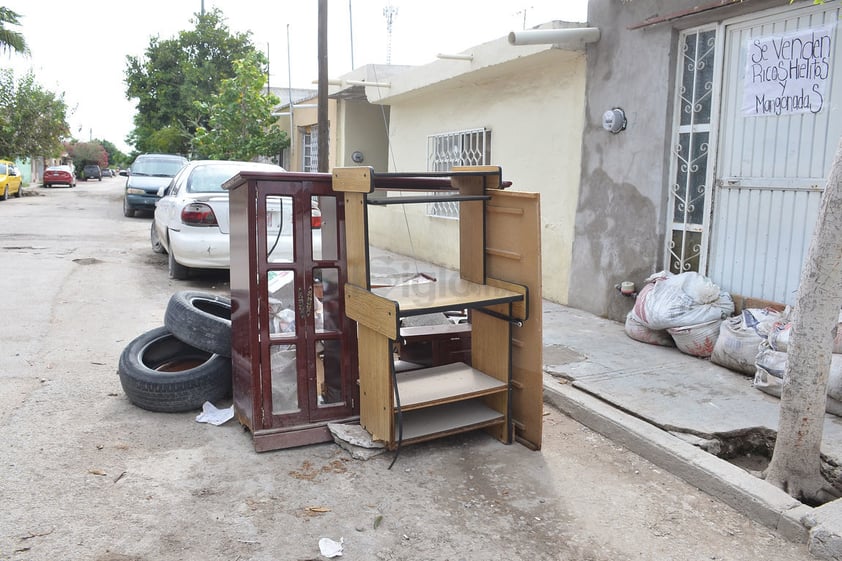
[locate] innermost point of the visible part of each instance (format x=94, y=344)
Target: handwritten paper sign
x=788, y=72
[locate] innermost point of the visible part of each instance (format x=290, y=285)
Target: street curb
x=744, y=492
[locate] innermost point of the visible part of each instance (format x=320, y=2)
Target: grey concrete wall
x=620, y=216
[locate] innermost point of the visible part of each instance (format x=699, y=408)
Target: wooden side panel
x=356, y=236
x=353, y=179
x=490, y=354
x=471, y=230
x=376, y=394
x=514, y=254
x=376, y=313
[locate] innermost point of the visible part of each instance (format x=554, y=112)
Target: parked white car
x=191, y=217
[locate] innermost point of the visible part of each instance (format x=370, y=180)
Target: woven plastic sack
x=682, y=300
x=636, y=330
x=696, y=340
x=769, y=375
x=782, y=331
x=740, y=337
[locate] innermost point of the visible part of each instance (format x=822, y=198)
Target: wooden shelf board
x=444, y=384
x=449, y=293
x=451, y=418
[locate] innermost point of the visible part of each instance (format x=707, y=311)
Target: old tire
x=159, y=372
x=200, y=319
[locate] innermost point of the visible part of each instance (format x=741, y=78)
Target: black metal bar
x=431, y=199
x=511, y=319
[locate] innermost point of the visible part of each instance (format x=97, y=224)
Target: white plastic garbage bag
x=681, y=300
x=740, y=337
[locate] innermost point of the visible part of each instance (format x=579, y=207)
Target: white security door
x=779, y=125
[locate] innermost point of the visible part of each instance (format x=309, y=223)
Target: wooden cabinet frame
x=499, y=279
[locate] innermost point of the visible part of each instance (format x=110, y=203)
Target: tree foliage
x=11, y=40
x=176, y=73
x=240, y=121
x=33, y=120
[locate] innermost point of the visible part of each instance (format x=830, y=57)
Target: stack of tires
x=187, y=361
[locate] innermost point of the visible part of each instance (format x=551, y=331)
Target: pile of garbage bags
x=690, y=312
x=683, y=310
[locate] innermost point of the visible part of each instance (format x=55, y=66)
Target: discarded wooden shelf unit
x=499, y=280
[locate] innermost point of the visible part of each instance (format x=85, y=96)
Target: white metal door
x=779, y=127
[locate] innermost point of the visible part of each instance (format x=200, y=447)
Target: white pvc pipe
x=580, y=35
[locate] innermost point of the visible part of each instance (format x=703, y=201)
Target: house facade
x=732, y=119
x=517, y=107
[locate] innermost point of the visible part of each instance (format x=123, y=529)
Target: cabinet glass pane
x=326, y=304
x=284, y=379
x=324, y=227
x=280, y=231
x=281, y=287
x=329, y=371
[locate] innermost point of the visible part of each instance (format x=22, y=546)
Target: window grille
x=309, y=149
x=690, y=192
x=461, y=148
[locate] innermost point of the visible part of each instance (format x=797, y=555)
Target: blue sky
x=80, y=48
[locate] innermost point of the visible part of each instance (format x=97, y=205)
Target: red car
x=61, y=175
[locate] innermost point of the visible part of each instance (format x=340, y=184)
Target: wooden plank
x=356, y=236
x=447, y=293
x=514, y=226
x=520, y=310
x=353, y=179
x=375, y=312
x=492, y=176
x=452, y=418
x=445, y=384
x=375, y=359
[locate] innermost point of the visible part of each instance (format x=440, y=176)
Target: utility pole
x=322, y=110
x=523, y=11
x=389, y=12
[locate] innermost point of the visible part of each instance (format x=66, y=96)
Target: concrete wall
x=620, y=222
x=364, y=128
x=534, y=107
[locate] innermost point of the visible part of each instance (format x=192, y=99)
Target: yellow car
x=9, y=180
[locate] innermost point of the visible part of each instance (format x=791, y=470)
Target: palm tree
x=11, y=40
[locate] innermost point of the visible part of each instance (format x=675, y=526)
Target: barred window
x=309, y=149
x=460, y=148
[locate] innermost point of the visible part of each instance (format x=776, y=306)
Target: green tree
x=176, y=73
x=240, y=121
x=83, y=153
x=33, y=121
x=11, y=40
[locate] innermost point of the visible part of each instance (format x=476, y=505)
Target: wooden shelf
x=445, y=384
x=448, y=293
x=451, y=418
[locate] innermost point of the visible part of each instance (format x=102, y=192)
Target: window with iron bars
x=470, y=147
x=309, y=149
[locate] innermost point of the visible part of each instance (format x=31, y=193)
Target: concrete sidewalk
x=677, y=411
x=680, y=412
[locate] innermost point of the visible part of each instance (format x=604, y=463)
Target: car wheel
x=200, y=319
x=159, y=372
x=5, y=194
x=127, y=210
x=177, y=271
x=19, y=192
x=157, y=246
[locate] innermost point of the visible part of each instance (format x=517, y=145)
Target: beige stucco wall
x=534, y=107
x=303, y=117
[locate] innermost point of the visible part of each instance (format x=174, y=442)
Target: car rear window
x=159, y=167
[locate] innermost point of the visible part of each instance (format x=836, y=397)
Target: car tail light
x=198, y=214
x=315, y=221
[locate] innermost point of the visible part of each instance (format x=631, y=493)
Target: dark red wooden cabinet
x=293, y=348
